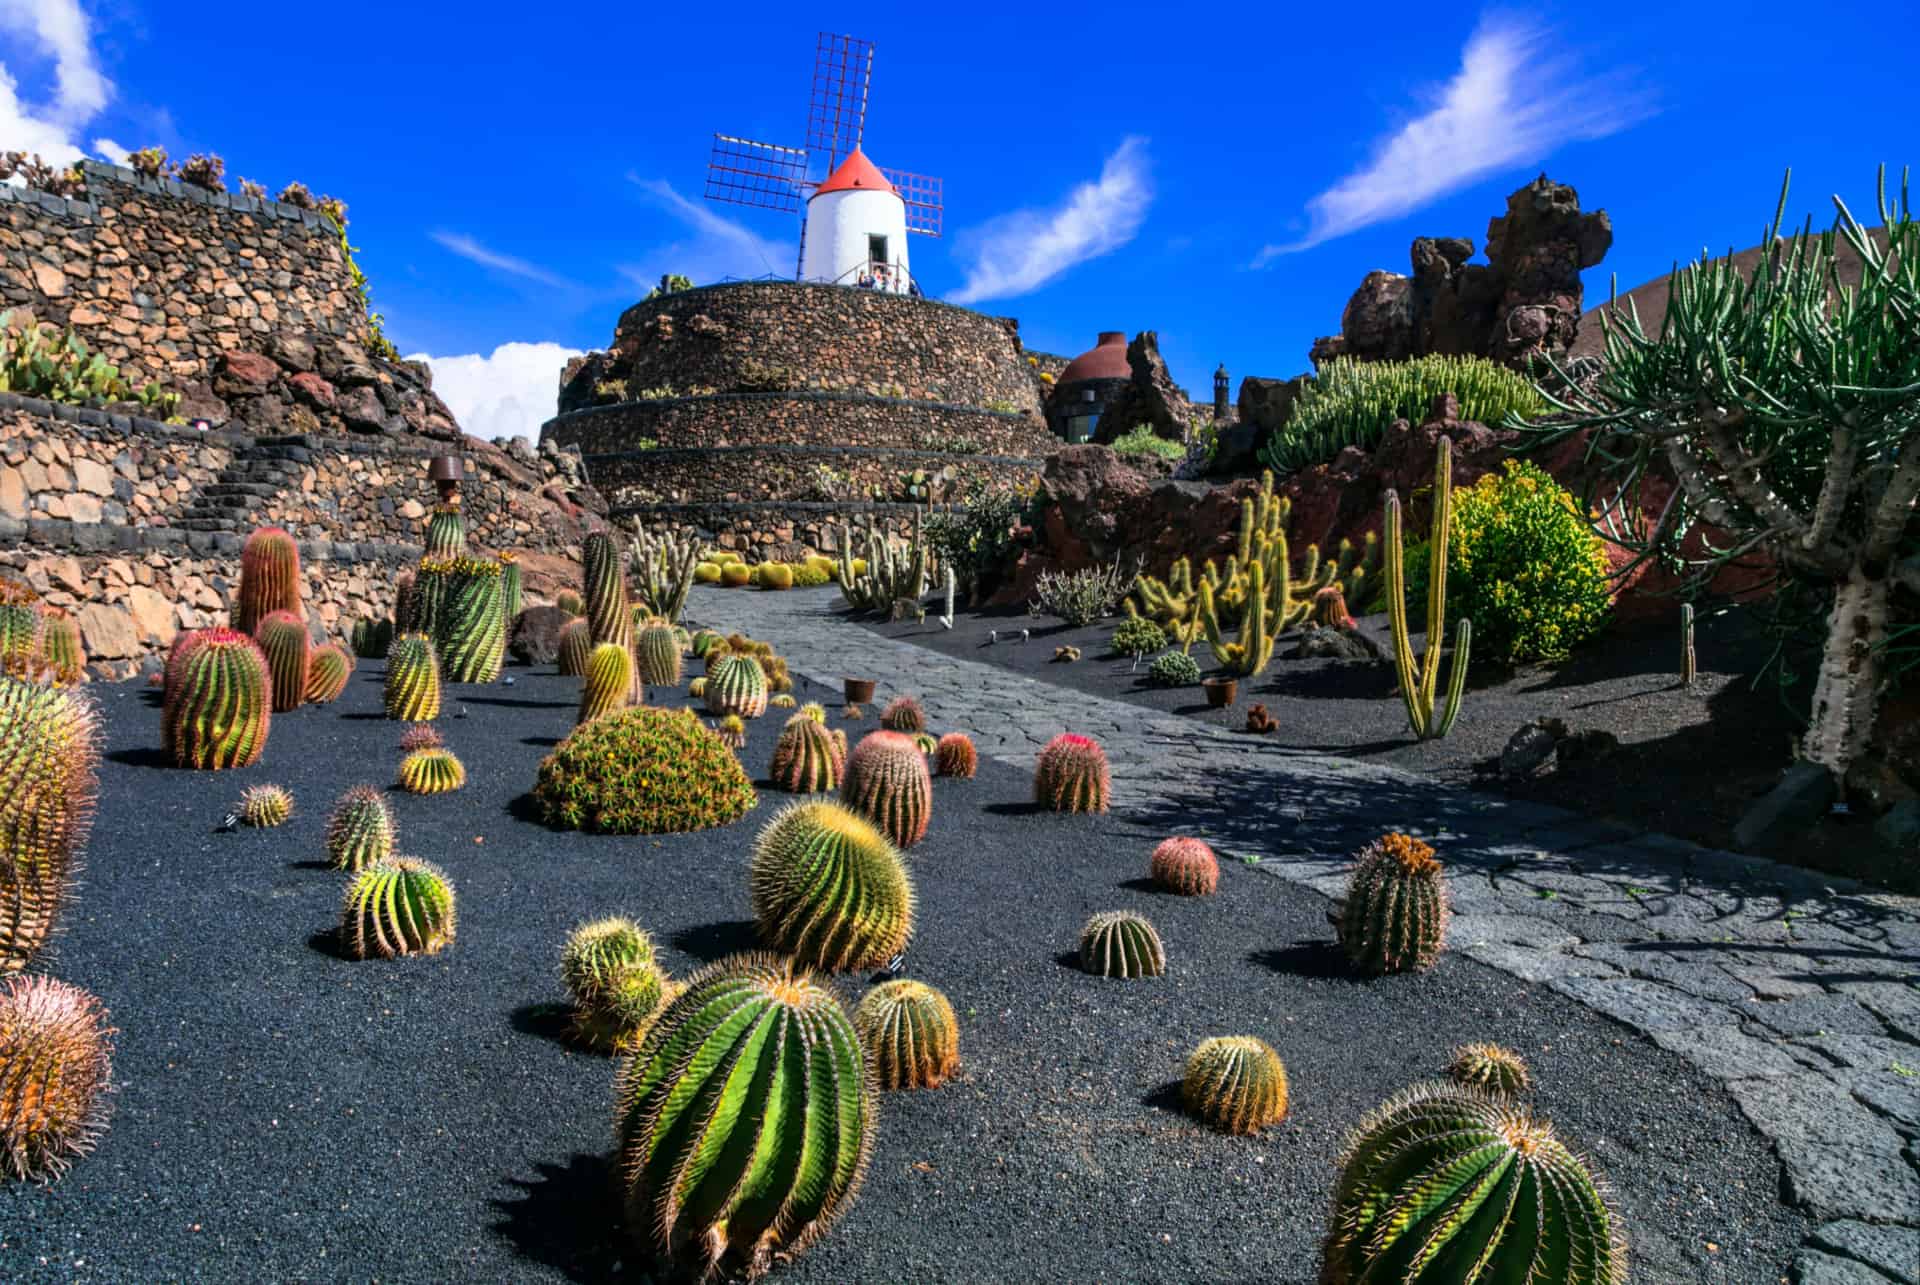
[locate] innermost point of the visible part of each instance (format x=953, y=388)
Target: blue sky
x=516, y=175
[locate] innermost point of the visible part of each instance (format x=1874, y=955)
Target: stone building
x=1083, y=390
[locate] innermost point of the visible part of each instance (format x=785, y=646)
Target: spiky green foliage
x=510, y=585
x=471, y=637
x=55, y=1072
x=1138, y=636
x=1251, y=651
x=22, y=631
x=609, y=682
x=911, y=1034
x=659, y=654
x=1184, y=865
x=1419, y=682
x=328, y=669
x=49, y=751
x=360, y=831
x=1443, y=1185
x=63, y=654
x=284, y=640
x=446, y=532
x=1070, y=775
x=397, y=906
x=1394, y=918
x=642, y=771
x=904, y=714
x=615, y=983
x=806, y=759
x=434, y=771
x=737, y=685
x=887, y=782
x=1121, y=943
x=954, y=755
x=269, y=578
x=371, y=638
x=1173, y=669
x=265, y=806
x=1236, y=1083
x=413, y=679
x=432, y=592
x=220, y=710
x=1492, y=1067
x=829, y=889
x=576, y=644
x=745, y=1120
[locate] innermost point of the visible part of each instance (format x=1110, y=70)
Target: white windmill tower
x=856, y=222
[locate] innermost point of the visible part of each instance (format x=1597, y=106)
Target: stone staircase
x=244, y=496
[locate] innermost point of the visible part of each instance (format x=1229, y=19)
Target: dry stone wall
x=829, y=474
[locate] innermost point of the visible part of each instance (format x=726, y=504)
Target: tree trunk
x=1846, y=695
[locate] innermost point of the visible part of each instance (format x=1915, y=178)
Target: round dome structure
x=1107, y=359
x=1088, y=383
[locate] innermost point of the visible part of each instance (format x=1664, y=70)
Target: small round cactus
x=265, y=806
x=1184, y=865
x=421, y=736
x=702, y=643
x=815, y=711
x=955, y=756
x=431, y=772
x=783, y=700
x=732, y=731
x=697, y=688
x=1121, y=943
x=1329, y=608
x=360, y=831
x=887, y=782
x=736, y=575
x=570, y=602
x=912, y=1037
x=269, y=578
x=328, y=669
x=737, y=685
x=659, y=654
x=614, y=981
x=1071, y=775
x=925, y=742
x=609, y=682
x=1492, y=1067
x=904, y=714
x=773, y=575
x=219, y=711
x=828, y=889
x=284, y=640
x=806, y=758
x=55, y=1074
x=576, y=644
x=397, y=906
x=413, y=679
x=1394, y=918
x=1236, y=1084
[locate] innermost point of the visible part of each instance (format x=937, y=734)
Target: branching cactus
x=1492, y=1067
x=1444, y=1184
x=220, y=711
x=1252, y=650
x=360, y=832
x=434, y=771
x=1419, y=683
x=576, y=644
x=609, y=682
x=472, y=638
x=413, y=680
x=614, y=981
x=890, y=572
x=397, y=906
x=1394, y=918
x=1121, y=943
x=60, y=647
x=328, y=669
x=1071, y=775
x=1236, y=1083
x=23, y=625
x=912, y=1037
x=1184, y=865
x=954, y=755
x=664, y=564
x=806, y=759
x=887, y=782
x=265, y=806
x=510, y=585
x=760, y=1060
x=737, y=685
x=904, y=714
x=283, y=638
x=55, y=1074
x=49, y=751
x=828, y=889
x=269, y=578
x=446, y=532
x=659, y=654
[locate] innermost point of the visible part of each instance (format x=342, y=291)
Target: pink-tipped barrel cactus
x=887, y=782
x=1071, y=775
x=269, y=578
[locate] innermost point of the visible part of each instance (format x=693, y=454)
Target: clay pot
x=1220, y=691
x=859, y=691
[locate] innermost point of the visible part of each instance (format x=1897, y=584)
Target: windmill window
x=877, y=249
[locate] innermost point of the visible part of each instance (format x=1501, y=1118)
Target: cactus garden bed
x=286, y=1113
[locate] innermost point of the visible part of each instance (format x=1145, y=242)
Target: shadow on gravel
x=522, y=807
x=708, y=942
x=516, y=704
x=566, y=1217
x=309, y=865
x=1319, y=959
x=548, y=1020
x=1069, y=959
x=327, y=942
x=362, y=718
x=1014, y=809
x=144, y=756
x=547, y=742
x=1166, y=1098
x=1144, y=884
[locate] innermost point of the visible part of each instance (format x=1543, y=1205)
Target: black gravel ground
x=285, y=1114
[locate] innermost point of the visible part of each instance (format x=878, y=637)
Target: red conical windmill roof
x=855, y=173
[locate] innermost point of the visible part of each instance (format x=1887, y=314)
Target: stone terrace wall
x=753, y=528
x=811, y=419
x=736, y=474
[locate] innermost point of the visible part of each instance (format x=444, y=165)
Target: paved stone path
x=1799, y=992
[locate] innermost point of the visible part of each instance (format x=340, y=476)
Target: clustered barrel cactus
x=807, y=759
x=828, y=889
x=1236, y=1083
x=371, y=638
x=1394, y=918
x=887, y=782
x=912, y=1037
x=954, y=755
x=614, y=981
x=446, y=532
x=328, y=669
x=413, y=679
x=642, y=770
x=434, y=771
x=1492, y=1067
x=219, y=708
x=1071, y=775
x=471, y=632
x=49, y=752
x=265, y=806
x=659, y=654
x=609, y=682
x=284, y=640
x=737, y=685
x=1184, y=865
x=55, y=1073
x=360, y=832
x=397, y=906
x=1121, y=943
x=269, y=578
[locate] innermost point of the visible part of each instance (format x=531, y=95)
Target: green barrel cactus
x=413, y=680
x=434, y=771
x=609, y=614
x=609, y=682
x=49, y=754
x=1450, y=1186
x=60, y=647
x=23, y=625
x=1236, y=1084
x=659, y=654
x=328, y=669
x=887, y=782
x=220, y=711
x=806, y=759
x=1071, y=775
x=472, y=634
x=697, y=688
x=1492, y=1067
x=360, y=832
x=265, y=806
x=925, y=742
x=737, y=685
x=1121, y=943
x=1394, y=918
x=614, y=981
x=511, y=579
x=432, y=593
x=828, y=889
x=397, y=906
x=446, y=532
x=269, y=578
x=912, y=1037
x=744, y=1122
x=284, y=640
x=576, y=644
x=55, y=1073
x=1184, y=865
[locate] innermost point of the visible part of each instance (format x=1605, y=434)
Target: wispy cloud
x=51, y=32
x=468, y=248
x=715, y=246
x=509, y=392
x=1018, y=252
x=1511, y=103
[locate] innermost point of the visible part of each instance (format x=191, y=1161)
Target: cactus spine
x=371, y=638
x=887, y=783
x=23, y=627
x=1252, y=651
x=737, y=685
x=616, y=985
x=576, y=644
x=360, y=831
x=427, y=602
x=472, y=636
x=904, y=714
x=806, y=759
x=397, y=906
x=828, y=889
x=1492, y=1067
x=609, y=615
x=219, y=713
x=1120, y=943
x=1394, y=918
x=413, y=680
x=1071, y=775
x=328, y=669
x=446, y=532
x=49, y=749
x=1419, y=684
x=269, y=578
x=1236, y=1083
x=284, y=641
x=609, y=682
x=912, y=1037
x=659, y=654
x=55, y=1072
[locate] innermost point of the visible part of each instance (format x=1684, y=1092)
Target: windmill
x=857, y=219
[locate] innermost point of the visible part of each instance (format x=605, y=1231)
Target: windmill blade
x=767, y=175
x=837, y=109
x=924, y=197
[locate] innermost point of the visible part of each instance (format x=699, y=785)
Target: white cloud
x=1509, y=105
x=715, y=246
x=508, y=393
x=52, y=31
x=468, y=248
x=111, y=150
x=1016, y=253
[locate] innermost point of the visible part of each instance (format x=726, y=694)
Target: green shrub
x=642, y=771
x=1351, y=403
x=976, y=540
x=35, y=363
x=1080, y=597
x=1138, y=636
x=1174, y=669
x=1142, y=441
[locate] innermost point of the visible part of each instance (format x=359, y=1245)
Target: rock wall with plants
x=734, y=474
x=772, y=530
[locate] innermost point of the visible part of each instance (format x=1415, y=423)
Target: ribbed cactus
x=912, y=1037
x=1394, y=918
x=284, y=640
x=60, y=647
x=434, y=771
x=1184, y=865
x=781, y=700
x=360, y=831
x=55, y=1072
x=570, y=602
x=659, y=655
x=413, y=680
x=1419, y=682
x=510, y=585
x=1449, y=1186
x=328, y=668
x=773, y=575
x=732, y=731
x=269, y=578
x=615, y=984
x=472, y=634
x=421, y=736
x=1492, y=1067
x=432, y=594
x=446, y=532
x=955, y=756
x=265, y=806
x=887, y=782
x=736, y=575
x=397, y=906
x=576, y=643
x=664, y=566
x=1266, y=616
x=220, y=709
x=926, y=743
x=805, y=758
x=49, y=751
x=904, y=714
x=828, y=889
x=371, y=638
x=1236, y=1083
x=1071, y=775
x=23, y=626
x=1121, y=943
x=759, y=1061
x=1328, y=608
x=697, y=688
x=737, y=685
x=609, y=615
x=609, y=682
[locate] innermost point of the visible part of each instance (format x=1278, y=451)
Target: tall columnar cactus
x=737, y=685
x=413, y=679
x=22, y=631
x=49, y=749
x=609, y=615
x=912, y=1037
x=758, y=1060
x=1419, y=684
x=664, y=564
x=806, y=759
x=614, y=981
x=428, y=603
x=1121, y=943
x=828, y=889
x=61, y=648
x=269, y=578
x=472, y=638
x=1071, y=775
x=397, y=906
x=283, y=638
x=904, y=714
x=576, y=644
x=446, y=532
x=434, y=771
x=328, y=669
x=609, y=682
x=1492, y=1067
x=55, y=1072
x=220, y=711
x=1184, y=865
x=360, y=831
x=887, y=782
x=1236, y=1083
x=1443, y=1185
x=1252, y=650
x=510, y=584
x=954, y=755
x=1394, y=918
x=659, y=655
x=890, y=573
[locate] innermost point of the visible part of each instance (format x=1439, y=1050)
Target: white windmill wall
x=838, y=225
